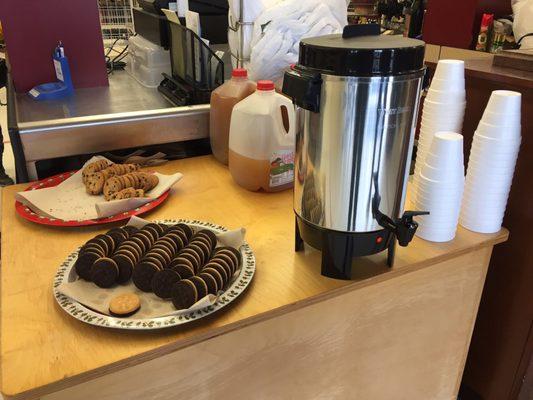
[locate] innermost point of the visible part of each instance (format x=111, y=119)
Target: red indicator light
x=379, y=240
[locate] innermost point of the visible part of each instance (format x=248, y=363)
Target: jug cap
x=362, y=51
x=265, y=85
x=239, y=73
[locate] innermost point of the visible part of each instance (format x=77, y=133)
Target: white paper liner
x=96, y=298
x=69, y=201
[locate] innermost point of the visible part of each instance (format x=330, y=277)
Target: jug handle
x=291, y=114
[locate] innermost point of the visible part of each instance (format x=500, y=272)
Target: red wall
x=32, y=29
x=455, y=23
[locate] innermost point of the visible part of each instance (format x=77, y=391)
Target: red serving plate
x=28, y=214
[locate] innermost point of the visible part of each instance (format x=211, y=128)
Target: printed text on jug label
x=281, y=168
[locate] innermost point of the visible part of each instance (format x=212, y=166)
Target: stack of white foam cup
x=440, y=188
x=443, y=109
x=492, y=163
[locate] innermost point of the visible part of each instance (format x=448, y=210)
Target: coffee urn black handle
x=351, y=31
x=304, y=88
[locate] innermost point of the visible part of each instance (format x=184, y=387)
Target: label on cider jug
x=281, y=168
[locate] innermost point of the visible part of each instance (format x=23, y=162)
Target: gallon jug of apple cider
x=261, y=149
x=223, y=99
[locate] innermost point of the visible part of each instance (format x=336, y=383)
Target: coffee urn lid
x=361, y=51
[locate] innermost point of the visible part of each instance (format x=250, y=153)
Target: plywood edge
x=9, y=393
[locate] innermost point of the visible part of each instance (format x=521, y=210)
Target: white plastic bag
x=252, y=9
x=278, y=30
x=523, y=22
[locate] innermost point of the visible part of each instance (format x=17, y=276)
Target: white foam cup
x=505, y=102
x=450, y=70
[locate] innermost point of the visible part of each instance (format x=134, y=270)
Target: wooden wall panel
x=403, y=339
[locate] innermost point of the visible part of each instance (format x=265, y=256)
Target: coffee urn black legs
x=339, y=248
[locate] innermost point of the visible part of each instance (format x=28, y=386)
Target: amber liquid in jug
x=261, y=146
x=223, y=99
x=254, y=174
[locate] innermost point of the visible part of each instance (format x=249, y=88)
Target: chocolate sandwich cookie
x=100, y=242
x=221, y=270
x=137, y=240
x=225, y=257
x=178, y=238
x=210, y=281
x=153, y=228
x=190, y=255
x=118, y=235
x=184, y=268
x=163, y=252
x=187, y=229
x=167, y=243
x=216, y=275
x=111, y=245
x=210, y=235
x=236, y=254
x=164, y=228
x=144, y=237
x=84, y=264
x=184, y=294
x=104, y=272
x=163, y=281
x=205, y=247
x=94, y=247
x=154, y=259
x=143, y=274
x=201, y=286
x=124, y=305
x=224, y=264
x=151, y=233
x=198, y=250
x=130, y=229
x=132, y=247
x=161, y=228
x=125, y=264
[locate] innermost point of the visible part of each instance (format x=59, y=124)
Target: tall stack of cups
x=492, y=163
x=440, y=188
x=444, y=107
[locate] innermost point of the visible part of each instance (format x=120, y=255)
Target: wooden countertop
x=43, y=349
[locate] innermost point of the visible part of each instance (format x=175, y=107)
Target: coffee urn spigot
x=403, y=228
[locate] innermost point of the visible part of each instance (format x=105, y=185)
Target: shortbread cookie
x=124, y=305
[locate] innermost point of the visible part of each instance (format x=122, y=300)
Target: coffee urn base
x=339, y=248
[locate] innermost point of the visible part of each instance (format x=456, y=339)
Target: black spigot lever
x=406, y=227
x=403, y=228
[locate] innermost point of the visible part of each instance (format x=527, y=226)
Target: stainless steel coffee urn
x=358, y=95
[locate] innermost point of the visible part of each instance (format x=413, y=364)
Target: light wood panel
x=432, y=53
x=399, y=339
x=463, y=54
x=36, y=332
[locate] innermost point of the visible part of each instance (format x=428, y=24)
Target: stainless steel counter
x=123, y=115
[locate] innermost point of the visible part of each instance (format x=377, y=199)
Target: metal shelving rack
x=116, y=18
